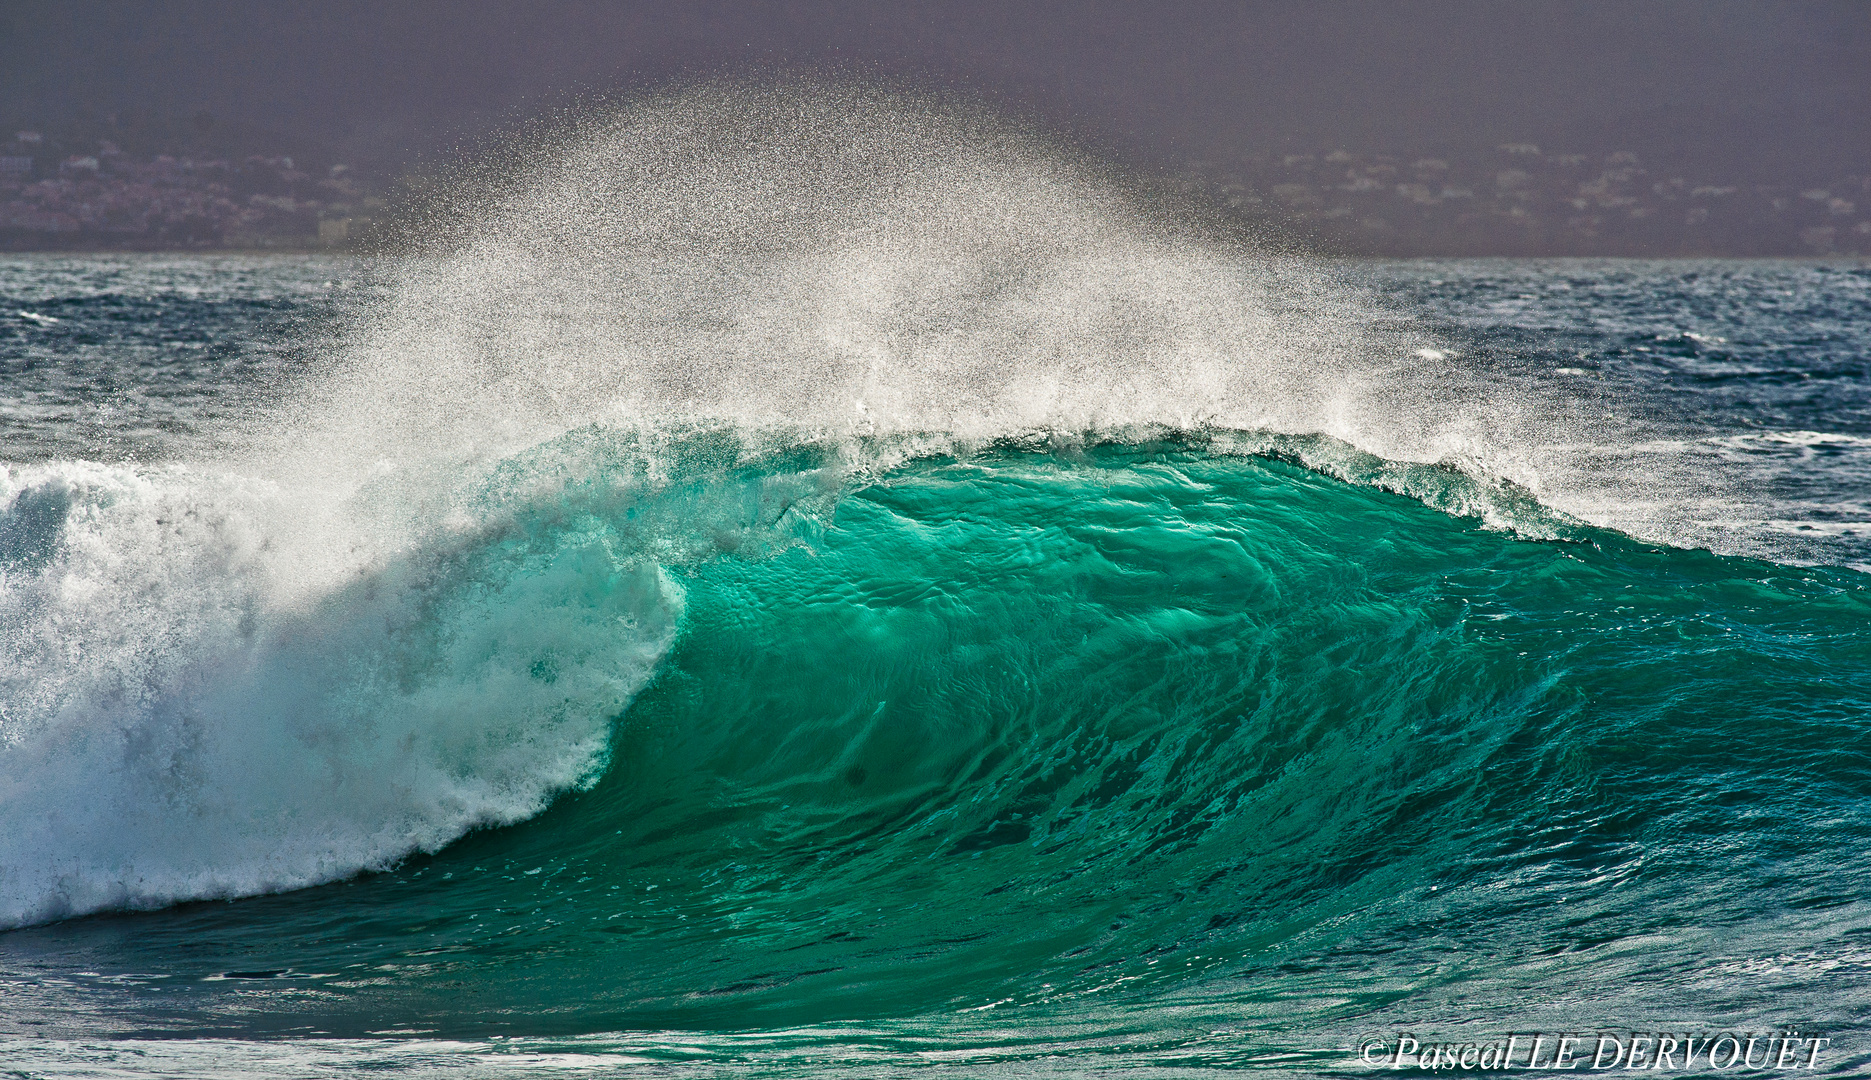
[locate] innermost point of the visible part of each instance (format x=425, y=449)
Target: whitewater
x=810, y=579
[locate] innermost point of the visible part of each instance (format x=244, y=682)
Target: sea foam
x=201, y=700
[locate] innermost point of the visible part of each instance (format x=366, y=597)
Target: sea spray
x=836, y=262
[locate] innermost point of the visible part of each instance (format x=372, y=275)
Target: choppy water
x=955, y=622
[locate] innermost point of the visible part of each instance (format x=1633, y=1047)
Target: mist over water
x=845, y=265
x=842, y=265
x=843, y=558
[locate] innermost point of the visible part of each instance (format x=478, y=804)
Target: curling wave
x=934, y=579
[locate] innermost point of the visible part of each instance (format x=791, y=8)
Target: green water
x=1135, y=739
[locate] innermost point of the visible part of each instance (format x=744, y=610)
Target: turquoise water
x=1131, y=737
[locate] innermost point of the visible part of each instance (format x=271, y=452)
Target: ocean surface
x=951, y=621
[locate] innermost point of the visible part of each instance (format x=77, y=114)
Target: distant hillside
x=1518, y=199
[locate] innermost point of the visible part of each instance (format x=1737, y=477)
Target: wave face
x=803, y=563
x=1071, y=735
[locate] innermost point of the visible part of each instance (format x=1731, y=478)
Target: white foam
x=204, y=696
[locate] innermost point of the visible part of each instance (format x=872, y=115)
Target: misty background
x=1771, y=88
x=1708, y=91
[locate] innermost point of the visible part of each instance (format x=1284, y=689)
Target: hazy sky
x=1773, y=88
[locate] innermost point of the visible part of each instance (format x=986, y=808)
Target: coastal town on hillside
x=98, y=197
x=1512, y=199
x=1515, y=199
